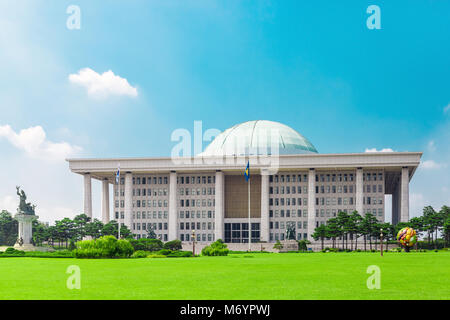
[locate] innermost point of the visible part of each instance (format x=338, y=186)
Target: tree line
x=64, y=231
x=349, y=227
x=344, y=229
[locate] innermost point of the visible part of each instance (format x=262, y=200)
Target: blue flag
x=247, y=172
x=118, y=175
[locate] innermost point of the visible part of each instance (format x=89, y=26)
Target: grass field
x=413, y=275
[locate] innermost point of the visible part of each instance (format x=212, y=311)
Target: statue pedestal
x=25, y=231
x=289, y=245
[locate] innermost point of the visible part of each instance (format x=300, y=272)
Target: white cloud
x=431, y=164
x=102, y=85
x=431, y=146
x=382, y=150
x=9, y=203
x=447, y=108
x=35, y=144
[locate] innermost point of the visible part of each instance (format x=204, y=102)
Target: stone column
x=311, y=203
x=404, y=209
x=25, y=230
x=395, y=205
x=265, y=232
x=219, y=207
x=359, y=191
x=128, y=219
x=173, y=216
x=87, y=195
x=105, y=201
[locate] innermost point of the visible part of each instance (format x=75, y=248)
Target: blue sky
x=314, y=66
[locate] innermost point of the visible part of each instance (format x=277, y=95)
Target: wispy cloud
x=34, y=143
x=375, y=150
x=102, y=85
x=447, y=108
x=431, y=164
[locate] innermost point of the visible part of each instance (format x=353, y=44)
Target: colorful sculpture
x=407, y=237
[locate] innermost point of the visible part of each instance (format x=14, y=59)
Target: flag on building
x=118, y=174
x=247, y=171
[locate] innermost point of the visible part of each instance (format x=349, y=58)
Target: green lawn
x=411, y=275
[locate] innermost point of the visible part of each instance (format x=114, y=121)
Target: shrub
x=14, y=251
x=173, y=245
x=164, y=252
x=146, y=244
x=278, y=245
x=103, y=247
x=139, y=254
x=303, y=245
x=217, y=248
x=180, y=254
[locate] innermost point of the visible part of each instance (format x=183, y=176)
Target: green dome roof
x=255, y=138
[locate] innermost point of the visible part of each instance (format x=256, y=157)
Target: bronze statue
x=290, y=231
x=24, y=207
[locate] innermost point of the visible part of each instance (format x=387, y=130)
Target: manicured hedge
x=103, y=247
x=146, y=244
x=36, y=254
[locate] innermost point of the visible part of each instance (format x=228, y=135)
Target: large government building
x=290, y=182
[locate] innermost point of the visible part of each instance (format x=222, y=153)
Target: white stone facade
x=175, y=196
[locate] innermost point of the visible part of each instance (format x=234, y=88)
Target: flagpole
x=249, y=224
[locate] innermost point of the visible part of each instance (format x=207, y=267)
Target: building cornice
x=385, y=160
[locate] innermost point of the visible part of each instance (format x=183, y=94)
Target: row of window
x=283, y=224
x=288, y=201
x=162, y=237
x=329, y=177
x=144, y=215
x=281, y=236
x=200, y=214
x=324, y=189
x=197, y=179
x=143, y=203
x=340, y=177
x=289, y=178
x=147, y=226
x=198, y=226
x=200, y=237
x=149, y=180
x=323, y=201
x=196, y=191
x=197, y=202
x=288, y=213
x=138, y=192
x=333, y=212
